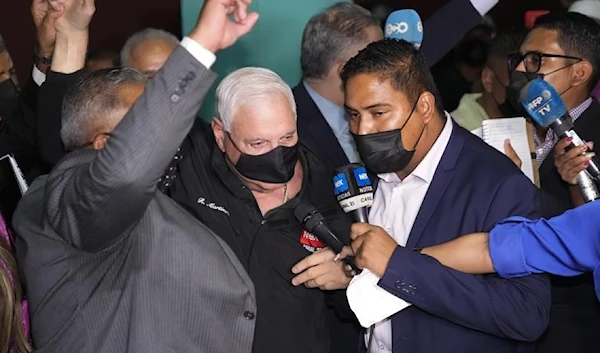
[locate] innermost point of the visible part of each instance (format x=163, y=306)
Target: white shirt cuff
x=38, y=77
x=483, y=6
x=204, y=56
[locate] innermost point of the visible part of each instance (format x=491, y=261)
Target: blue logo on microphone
x=361, y=177
x=340, y=183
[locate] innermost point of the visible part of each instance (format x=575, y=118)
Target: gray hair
x=245, y=86
x=328, y=34
x=89, y=104
x=141, y=36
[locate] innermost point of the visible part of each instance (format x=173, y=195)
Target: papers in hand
x=371, y=303
x=11, y=175
x=520, y=134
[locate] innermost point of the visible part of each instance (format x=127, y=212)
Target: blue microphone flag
x=542, y=102
x=405, y=24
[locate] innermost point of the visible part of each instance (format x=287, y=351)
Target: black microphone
x=353, y=190
x=312, y=220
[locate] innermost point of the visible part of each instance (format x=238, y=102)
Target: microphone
x=405, y=24
x=544, y=105
x=312, y=220
x=353, y=190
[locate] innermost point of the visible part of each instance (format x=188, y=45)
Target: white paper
x=17, y=173
x=371, y=303
x=495, y=131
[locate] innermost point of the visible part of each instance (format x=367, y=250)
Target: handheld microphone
x=546, y=108
x=353, y=190
x=405, y=24
x=544, y=105
x=312, y=220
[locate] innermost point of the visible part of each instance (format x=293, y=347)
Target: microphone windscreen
x=542, y=103
x=405, y=24
x=352, y=187
x=308, y=216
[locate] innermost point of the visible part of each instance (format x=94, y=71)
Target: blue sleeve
x=565, y=245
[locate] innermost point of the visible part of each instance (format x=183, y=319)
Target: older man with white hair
x=243, y=180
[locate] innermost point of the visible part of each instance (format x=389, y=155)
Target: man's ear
x=487, y=79
x=426, y=106
x=219, y=132
x=99, y=142
x=582, y=71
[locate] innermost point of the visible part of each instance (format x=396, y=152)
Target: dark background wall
x=115, y=20
x=507, y=12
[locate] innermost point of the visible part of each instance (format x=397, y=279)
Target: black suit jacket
x=313, y=130
x=49, y=115
x=18, y=128
x=18, y=138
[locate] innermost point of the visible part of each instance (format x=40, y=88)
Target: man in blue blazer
x=335, y=35
x=436, y=181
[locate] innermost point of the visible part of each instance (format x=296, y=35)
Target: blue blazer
x=313, y=130
x=473, y=188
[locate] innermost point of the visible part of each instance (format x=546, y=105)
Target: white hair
x=247, y=86
x=142, y=36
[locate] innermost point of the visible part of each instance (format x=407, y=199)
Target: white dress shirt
x=395, y=207
x=204, y=56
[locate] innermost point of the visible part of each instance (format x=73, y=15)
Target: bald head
x=148, y=50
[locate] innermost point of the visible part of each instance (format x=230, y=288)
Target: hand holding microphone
x=321, y=269
x=544, y=105
x=372, y=247
x=571, y=161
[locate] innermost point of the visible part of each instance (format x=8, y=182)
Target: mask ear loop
x=411, y=113
x=564, y=67
x=497, y=79
x=561, y=68
x=406, y=122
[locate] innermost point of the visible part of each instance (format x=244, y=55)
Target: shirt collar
x=334, y=114
x=576, y=112
x=426, y=169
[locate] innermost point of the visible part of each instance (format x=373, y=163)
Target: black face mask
x=384, y=152
x=9, y=97
x=506, y=109
x=518, y=80
x=276, y=166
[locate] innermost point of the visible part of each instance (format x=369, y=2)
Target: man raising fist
x=111, y=264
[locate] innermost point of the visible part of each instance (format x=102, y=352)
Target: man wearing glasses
x=564, y=50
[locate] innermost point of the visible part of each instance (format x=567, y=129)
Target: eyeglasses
x=533, y=60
